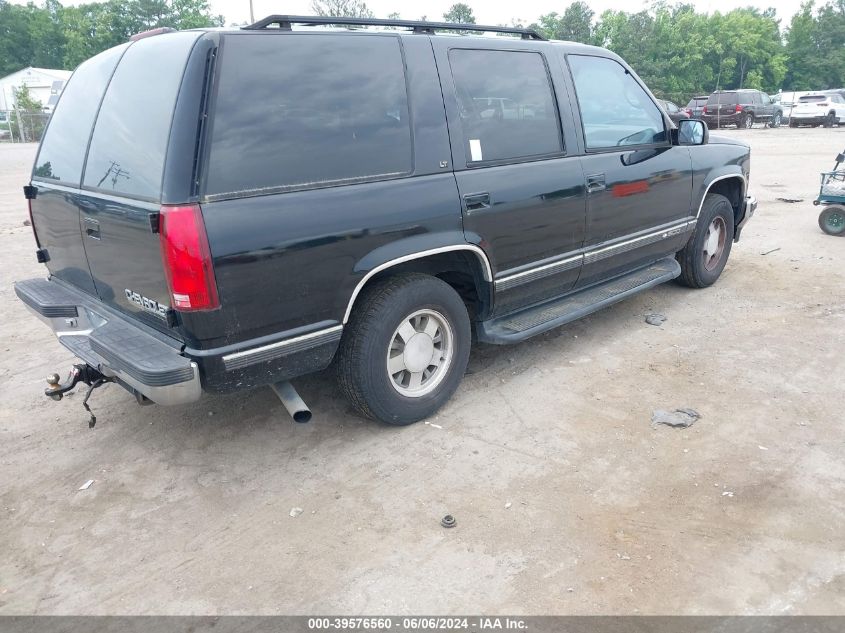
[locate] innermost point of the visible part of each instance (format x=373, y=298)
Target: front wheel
x=704, y=257
x=832, y=220
x=776, y=121
x=405, y=349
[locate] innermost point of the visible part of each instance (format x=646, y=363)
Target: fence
x=22, y=127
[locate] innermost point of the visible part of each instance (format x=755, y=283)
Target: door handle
x=476, y=201
x=596, y=183
x=92, y=228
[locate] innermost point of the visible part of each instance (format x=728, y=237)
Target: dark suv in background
x=742, y=108
x=225, y=209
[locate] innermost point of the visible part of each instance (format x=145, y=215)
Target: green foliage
x=54, y=36
x=341, y=8
x=459, y=13
x=678, y=51
x=25, y=102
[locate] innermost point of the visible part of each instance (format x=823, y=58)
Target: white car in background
x=787, y=101
x=818, y=108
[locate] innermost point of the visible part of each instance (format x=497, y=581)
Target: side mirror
x=691, y=132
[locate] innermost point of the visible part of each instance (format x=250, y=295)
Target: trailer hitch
x=80, y=372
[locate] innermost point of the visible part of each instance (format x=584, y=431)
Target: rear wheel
x=793, y=123
x=747, y=121
x=704, y=257
x=830, y=119
x=832, y=220
x=405, y=349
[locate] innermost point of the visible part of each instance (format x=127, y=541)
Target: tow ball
x=78, y=373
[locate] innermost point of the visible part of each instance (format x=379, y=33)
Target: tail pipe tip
x=291, y=400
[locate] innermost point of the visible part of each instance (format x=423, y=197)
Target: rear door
x=522, y=189
x=122, y=182
x=58, y=170
x=638, y=184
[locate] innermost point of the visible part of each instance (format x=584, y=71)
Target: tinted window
x=812, y=98
x=63, y=148
x=722, y=97
x=765, y=98
x=130, y=137
x=615, y=110
x=506, y=106
x=299, y=110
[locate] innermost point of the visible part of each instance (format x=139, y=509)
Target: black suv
x=225, y=209
x=742, y=108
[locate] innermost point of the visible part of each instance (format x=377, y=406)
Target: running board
x=524, y=324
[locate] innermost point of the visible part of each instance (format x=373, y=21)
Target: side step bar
x=524, y=324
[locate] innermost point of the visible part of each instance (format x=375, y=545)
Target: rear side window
x=506, y=105
x=615, y=110
x=722, y=97
x=130, y=138
x=303, y=111
x=62, y=152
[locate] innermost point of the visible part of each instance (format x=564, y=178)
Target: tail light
x=187, y=259
x=704, y=111
x=738, y=108
x=688, y=111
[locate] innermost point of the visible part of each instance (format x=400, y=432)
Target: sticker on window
x=475, y=149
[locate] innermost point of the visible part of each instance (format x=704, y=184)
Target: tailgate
x=101, y=234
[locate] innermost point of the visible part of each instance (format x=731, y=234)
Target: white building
x=45, y=85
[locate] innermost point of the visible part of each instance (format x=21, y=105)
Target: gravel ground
x=567, y=500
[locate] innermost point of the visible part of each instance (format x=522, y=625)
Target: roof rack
x=285, y=22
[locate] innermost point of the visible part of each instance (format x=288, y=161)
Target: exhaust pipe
x=297, y=408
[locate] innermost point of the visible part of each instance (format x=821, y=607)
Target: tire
x=830, y=120
x=793, y=123
x=372, y=337
x=832, y=220
x=702, y=260
x=776, y=120
x=747, y=121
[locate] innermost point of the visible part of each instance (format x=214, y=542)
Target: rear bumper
x=726, y=119
x=143, y=362
x=808, y=119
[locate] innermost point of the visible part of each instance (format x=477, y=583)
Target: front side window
x=130, y=137
x=506, y=105
x=307, y=110
x=615, y=110
x=63, y=148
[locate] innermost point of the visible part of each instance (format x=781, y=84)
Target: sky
x=486, y=11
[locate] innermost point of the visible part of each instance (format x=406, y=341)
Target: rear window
x=697, y=101
x=133, y=127
x=812, y=98
x=722, y=97
x=306, y=110
x=63, y=148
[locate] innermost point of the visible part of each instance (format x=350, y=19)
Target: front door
x=639, y=185
x=522, y=193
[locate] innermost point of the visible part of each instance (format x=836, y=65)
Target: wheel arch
x=732, y=185
x=462, y=265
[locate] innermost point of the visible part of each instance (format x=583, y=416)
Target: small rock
x=679, y=418
x=295, y=512
x=508, y=505
x=727, y=493
x=655, y=319
x=87, y=484
x=210, y=413
x=27, y=223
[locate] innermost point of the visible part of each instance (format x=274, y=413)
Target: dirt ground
x=567, y=500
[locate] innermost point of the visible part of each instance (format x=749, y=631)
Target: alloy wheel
x=420, y=353
x=714, y=243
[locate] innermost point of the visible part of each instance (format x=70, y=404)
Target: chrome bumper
x=144, y=362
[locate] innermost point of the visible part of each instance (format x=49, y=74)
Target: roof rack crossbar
x=285, y=22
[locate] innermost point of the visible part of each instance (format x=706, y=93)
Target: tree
x=342, y=8
x=459, y=13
